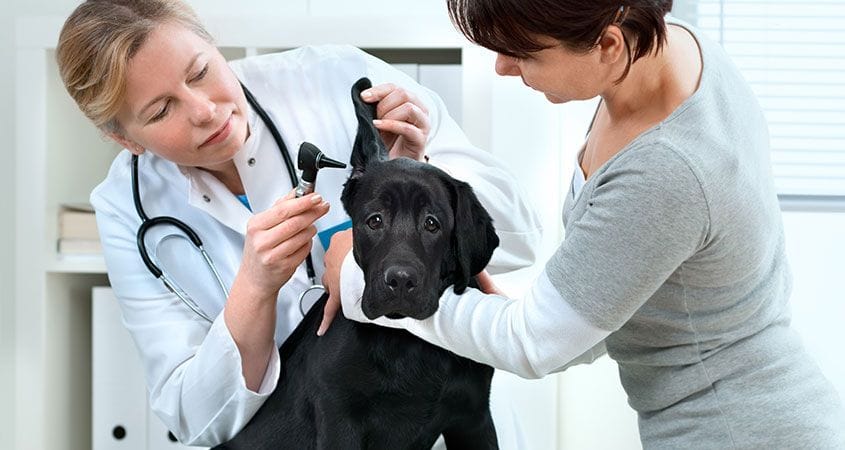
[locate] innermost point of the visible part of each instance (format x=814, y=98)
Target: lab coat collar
x=208, y=194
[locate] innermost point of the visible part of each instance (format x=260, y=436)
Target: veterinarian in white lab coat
x=149, y=76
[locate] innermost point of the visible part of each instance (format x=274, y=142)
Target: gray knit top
x=681, y=235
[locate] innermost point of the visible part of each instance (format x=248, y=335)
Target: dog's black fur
x=416, y=231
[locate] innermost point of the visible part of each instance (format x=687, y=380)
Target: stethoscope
x=317, y=161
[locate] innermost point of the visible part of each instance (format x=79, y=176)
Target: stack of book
x=78, y=230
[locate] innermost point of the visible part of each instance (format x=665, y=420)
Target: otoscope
x=309, y=161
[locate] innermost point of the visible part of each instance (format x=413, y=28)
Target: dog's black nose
x=400, y=279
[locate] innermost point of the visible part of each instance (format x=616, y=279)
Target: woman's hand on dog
x=402, y=120
x=339, y=247
x=486, y=285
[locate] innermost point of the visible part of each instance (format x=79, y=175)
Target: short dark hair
x=511, y=27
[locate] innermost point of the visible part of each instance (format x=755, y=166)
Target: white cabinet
x=120, y=415
x=118, y=396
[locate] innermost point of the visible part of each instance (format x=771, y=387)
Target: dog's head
x=416, y=229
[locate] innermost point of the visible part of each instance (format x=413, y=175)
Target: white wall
x=815, y=245
x=10, y=10
x=7, y=183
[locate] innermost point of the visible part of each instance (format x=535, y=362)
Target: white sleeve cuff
x=271, y=376
x=351, y=289
x=220, y=403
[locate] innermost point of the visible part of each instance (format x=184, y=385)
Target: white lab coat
x=193, y=368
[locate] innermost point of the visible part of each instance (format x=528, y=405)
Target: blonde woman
x=149, y=76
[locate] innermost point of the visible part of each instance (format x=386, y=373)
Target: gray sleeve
x=646, y=215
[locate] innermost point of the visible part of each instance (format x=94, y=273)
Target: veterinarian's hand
x=339, y=247
x=485, y=283
x=402, y=120
x=277, y=241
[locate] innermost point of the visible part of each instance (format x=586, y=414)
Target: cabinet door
x=119, y=395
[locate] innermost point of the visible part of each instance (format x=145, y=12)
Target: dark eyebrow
x=160, y=97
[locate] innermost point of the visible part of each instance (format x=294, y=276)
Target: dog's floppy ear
x=368, y=145
x=474, y=237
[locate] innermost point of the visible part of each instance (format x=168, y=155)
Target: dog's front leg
x=479, y=435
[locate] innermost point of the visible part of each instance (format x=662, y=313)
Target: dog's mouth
x=377, y=303
x=373, y=312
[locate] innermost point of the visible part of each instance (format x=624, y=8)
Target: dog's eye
x=431, y=224
x=375, y=221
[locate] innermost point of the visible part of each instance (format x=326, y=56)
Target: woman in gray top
x=674, y=252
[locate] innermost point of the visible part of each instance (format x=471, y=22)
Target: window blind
x=793, y=55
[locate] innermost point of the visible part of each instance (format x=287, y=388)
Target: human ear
x=612, y=44
x=128, y=144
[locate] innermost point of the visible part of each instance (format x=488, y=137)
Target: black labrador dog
x=416, y=231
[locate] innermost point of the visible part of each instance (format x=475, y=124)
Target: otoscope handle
x=303, y=188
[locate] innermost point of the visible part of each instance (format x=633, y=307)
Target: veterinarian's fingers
x=377, y=92
x=485, y=283
x=329, y=313
x=290, y=261
x=395, y=98
x=283, y=209
x=412, y=144
x=287, y=249
x=271, y=245
x=299, y=255
x=390, y=97
x=295, y=224
x=410, y=113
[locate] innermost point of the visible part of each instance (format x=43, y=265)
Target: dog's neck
x=395, y=351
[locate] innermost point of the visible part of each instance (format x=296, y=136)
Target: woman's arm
x=646, y=218
x=277, y=242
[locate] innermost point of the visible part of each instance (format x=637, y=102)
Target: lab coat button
x=206, y=198
x=251, y=162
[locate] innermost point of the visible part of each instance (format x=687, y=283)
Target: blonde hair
x=98, y=40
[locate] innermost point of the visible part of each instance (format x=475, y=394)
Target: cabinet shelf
x=93, y=264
